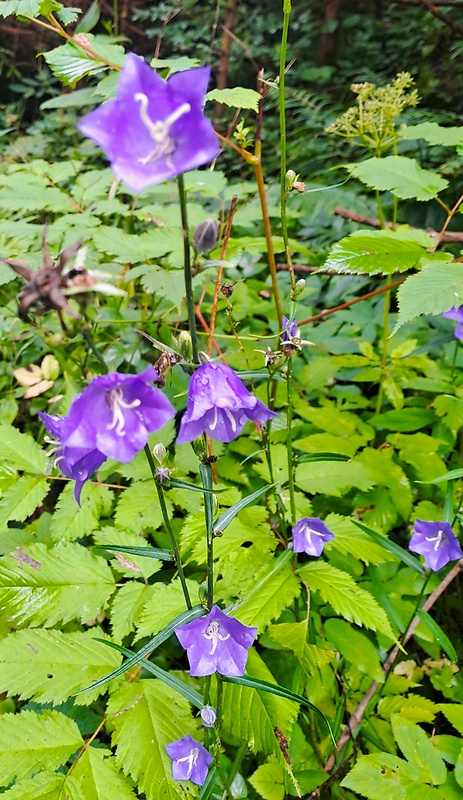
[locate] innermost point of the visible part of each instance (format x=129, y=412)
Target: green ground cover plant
x=230, y=441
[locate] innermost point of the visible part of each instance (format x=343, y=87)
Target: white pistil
x=191, y=760
x=213, y=425
x=159, y=131
x=309, y=532
x=437, y=539
x=212, y=633
x=231, y=418
x=117, y=403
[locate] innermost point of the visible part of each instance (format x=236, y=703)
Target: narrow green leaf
x=208, y=784
x=321, y=457
x=176, y=483
x=392, y=547
x=223, y=521
x=449, y=476
x=188, y=693
x=439, y=635
x=149, y=552
x=279, y=691
x=182, y=619
x=90, y=19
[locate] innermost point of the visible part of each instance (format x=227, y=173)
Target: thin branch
x=445, y=236
x=349, y=303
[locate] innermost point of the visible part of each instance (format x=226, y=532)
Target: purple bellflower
x=436, y=542
x=310, y=536
x=154, y=129
x=190, y=760
x=208, y=716
x=289, y=329
x=216, y=643
x=456, y=313
x=219, y=404
x=112, y=418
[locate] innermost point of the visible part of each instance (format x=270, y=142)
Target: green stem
x=289, y=443
x=96, y=352
x=187, y=268
x=165, y=515
x=206, y=477
x=380, y=210
x=282, y=110
x=387, y=307
x=240, y=754
x=268, y=233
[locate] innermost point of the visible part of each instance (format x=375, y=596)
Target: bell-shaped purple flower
x=190, y=760
x=219, y=404
x=436, y=542
x=76, y=463
x=289, y=329
x=114, y=415
x=456, y=313
x=208, y=716
x=310, y=536
x=154, y=129
x=216, y=643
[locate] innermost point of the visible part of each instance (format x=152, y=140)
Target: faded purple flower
x=208, y=716
x=74, y=462
x=456, y=313
x=154, y=129
x=289, y=329
x=436, y=542
x=112, y=418
x=216, y=643
x=219, y=404
x=190, y=760
x=310, y=536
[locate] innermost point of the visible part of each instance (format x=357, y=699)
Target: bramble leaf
x=400, y=175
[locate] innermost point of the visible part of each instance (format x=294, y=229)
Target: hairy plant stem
x=187, y=268
x=165, y=516
x=282, y=114
x=385, y=345
x=289, y=442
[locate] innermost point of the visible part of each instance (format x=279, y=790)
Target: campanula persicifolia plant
x=229, y=609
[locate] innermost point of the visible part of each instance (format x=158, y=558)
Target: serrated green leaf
x=450, y=409
x=349, y=600
x=250, y=716
x=21, y=499
x=152, y=715
x=127, y=608
x=400, y=175
x=131, y=249
x=433, y=133
x=426, y=764
x=48, y=666
x=20, y=451
x=435, y=289
x=21, y=8
x=47, y=785
x=138, y=508
x=145, y=552
x=71, y=521
x=99, y=778
x=68, y=15
x=164, y=602
x=349, y=540
x=273, y=590
x=29, y=742
x=43, y=587
x=76, y=99
x=413, y=708
x=116, y=542
x=293, y=636
x=269, y=781
x=237, y=97
x=331, y=477
x=375, y=252
x=375, y=777
x=355, y=647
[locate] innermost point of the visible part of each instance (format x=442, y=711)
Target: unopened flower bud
x=159, y=452
x=290, y=177
x=208, y=716
x=205, y=236
x=300, y=286
x=185, y=345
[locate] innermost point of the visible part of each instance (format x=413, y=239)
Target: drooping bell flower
x=112, y=418
x=310, y=536
x=219, y=404
x=457, y=314
x=436, y=542
x=216, y=643
x=190, y=760
x=154, y=129
x=208, y=716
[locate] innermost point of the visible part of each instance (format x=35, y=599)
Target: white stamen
x=116, y=402
x=437, y=539
x=212, y=633
x=231, y=418
x=191, y=759
x=159, y=131
x=213, y=425
x=308, y=532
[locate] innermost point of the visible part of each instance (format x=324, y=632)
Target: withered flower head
x=44, y=289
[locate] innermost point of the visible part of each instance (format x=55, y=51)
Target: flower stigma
x=115, y=398
x=437, y=539
x=159, y=131
x=212, y=633
x=191, y=759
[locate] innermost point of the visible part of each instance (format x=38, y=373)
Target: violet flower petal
x=436, y=542
x=142, y=157
x=190, y=760
x=216, y=643
x=310, y=536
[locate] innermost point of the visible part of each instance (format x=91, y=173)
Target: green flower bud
x=185, y=345
x=290, y=177
x=159, y=452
